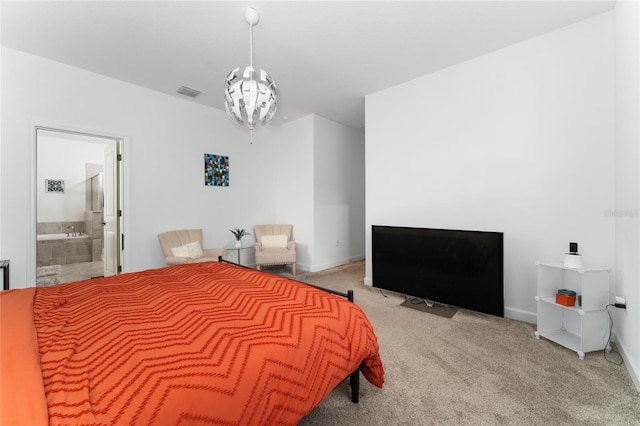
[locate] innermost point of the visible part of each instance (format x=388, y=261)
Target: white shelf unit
x=582, y=328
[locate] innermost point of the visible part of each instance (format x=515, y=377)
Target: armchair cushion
x=272, y=241
x=191, y=250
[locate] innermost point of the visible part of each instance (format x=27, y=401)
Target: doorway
x=78, y=213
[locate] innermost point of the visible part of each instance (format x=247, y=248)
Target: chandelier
x=250, y=96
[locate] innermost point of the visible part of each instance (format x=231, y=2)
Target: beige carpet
x=472, y=369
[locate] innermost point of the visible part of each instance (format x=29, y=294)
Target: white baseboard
x=520, y=315
x=633, y=369
x=340, y=262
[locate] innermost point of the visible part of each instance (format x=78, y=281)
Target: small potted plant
x=239, y=233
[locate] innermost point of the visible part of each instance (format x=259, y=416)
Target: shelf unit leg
x=581, y=355
x=537, y=333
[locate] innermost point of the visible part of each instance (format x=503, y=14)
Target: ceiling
x=324, y=56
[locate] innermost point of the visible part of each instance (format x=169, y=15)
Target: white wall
x=293, y=168
x=165, y=139
x=338, y=183
x=627, y=190
x=320, y=190
x=64, y=159
x=519, y=141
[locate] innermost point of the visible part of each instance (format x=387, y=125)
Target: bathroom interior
x=70, y=208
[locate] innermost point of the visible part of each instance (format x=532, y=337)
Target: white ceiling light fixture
x=250, y=97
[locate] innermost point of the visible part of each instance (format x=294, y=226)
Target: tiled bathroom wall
x=64, y=250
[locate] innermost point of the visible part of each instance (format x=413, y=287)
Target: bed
x=201, y=343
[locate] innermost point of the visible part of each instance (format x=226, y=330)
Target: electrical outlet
x=621, y=300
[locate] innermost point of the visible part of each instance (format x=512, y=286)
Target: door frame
x=123, y=145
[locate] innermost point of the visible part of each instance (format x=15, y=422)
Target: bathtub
x=50, y=237
x=58, y=249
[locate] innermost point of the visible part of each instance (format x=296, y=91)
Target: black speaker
x=573, y=248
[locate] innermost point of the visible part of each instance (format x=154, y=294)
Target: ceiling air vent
x=188, y=91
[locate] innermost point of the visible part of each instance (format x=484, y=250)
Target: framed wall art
x=54, y=185
x=216, y=170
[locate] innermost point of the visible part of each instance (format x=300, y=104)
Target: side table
x=239, y=250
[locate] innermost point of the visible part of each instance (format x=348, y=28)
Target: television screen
x=455, y=267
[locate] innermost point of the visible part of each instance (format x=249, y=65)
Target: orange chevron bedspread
x=202, y=343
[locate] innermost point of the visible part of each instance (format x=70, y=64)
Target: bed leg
x=354, y=381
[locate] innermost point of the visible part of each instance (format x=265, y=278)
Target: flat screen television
x=455, y=267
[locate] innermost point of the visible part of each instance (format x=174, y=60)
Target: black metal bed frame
x=354, y=378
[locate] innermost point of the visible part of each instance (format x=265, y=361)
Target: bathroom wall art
x=216, y=170
x=54, y=185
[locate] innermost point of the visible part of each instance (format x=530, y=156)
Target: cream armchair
x=274, y=246
x=185, y=246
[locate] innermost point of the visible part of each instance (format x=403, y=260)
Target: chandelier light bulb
x=250, y=95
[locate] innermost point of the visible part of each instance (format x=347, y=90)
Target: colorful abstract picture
x=216, y=170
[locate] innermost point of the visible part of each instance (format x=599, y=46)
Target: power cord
x=608, y=345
